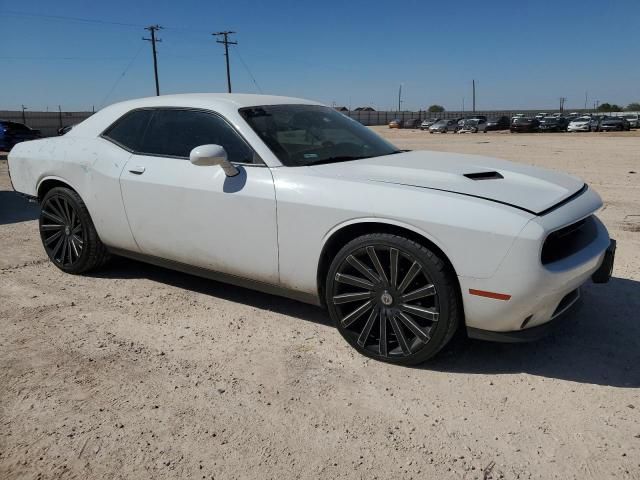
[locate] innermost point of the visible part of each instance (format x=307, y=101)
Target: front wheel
x=68, y=234
x=392, y=299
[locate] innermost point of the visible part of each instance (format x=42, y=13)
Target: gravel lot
x=140, y=372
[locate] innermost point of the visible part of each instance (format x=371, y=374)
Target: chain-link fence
x=50, y=122
x=47, y=122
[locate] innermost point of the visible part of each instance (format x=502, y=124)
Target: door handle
x=137, y=170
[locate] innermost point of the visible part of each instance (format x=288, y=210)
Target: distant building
x=341, y=109
x=365, y=109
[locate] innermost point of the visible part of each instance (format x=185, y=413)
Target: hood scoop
x=484, y=176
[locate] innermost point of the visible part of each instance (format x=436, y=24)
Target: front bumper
x=569, y=303
x=533, y=291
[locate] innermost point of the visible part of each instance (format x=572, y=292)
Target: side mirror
x=207, y=155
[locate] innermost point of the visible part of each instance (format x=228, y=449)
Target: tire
x=68, y=234
x=404, y=314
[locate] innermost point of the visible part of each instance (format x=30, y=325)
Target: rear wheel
x=68, y=234
x=392, y=298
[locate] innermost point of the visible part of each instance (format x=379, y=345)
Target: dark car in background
x=524, y=124
x=553, y=124
x=498, y=123
x=63, y=130
x=594, y=124
x=614, y=124
x=411, y=123
x=14, y=132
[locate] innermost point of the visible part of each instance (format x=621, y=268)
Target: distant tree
x=604, y=107
x=634, y=107
x=435, y=109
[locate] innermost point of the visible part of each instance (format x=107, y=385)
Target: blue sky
x=521, y=53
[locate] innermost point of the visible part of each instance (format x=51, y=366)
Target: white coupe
x=292, y=197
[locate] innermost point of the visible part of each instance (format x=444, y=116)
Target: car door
x=196, y=215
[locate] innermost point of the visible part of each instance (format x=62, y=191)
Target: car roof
x=224, y=103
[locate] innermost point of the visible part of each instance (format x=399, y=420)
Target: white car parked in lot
x=580, y=124
x=289, y=196
x=474, y=125
x=633, y=119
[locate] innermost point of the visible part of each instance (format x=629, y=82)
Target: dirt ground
x=140, y=372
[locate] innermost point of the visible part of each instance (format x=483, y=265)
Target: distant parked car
x=428, y=122
x=474, y=125
x=553, y=124
x=411, y=123
x=395, y=123
x=498, y=123
x=580, y=124
x=444, y=126
x=524, y=124
x=541, y=115
x=14, y=132
x=614, y=123
x=633, y=119
x=594, y=125
x=63, y=130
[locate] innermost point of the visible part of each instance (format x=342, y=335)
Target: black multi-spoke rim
x=385, y=301
x=63, y=234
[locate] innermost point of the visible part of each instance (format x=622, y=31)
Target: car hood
x=520, y=186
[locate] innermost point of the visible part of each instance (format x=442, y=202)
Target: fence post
x=60, y=116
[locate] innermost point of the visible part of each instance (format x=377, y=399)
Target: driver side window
x=175, y=132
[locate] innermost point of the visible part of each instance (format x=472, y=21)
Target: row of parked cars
x=541, y=122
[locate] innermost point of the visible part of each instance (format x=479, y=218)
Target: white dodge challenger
x=288, y=196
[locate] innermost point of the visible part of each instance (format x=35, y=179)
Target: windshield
x=630, y=117
x=302, y=135
x=521, y=120
x=582, y=119
x=471, y=123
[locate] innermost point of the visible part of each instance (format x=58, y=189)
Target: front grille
x=568, y=240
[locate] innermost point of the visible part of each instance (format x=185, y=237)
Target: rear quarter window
x=128, y=131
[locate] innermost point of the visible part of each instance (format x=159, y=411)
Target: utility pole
x=24, y=120
x=400, y=98
x=153, y=29
x=473, y=83
x=562, y=100
x=226, y=43
x=586, y=96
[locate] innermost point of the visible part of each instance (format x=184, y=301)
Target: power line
x=226, y=43
x=153, y=29
x=73, y=19
x=248, y=71
x=64, y=58
x=121, y=76
x=188, y=30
